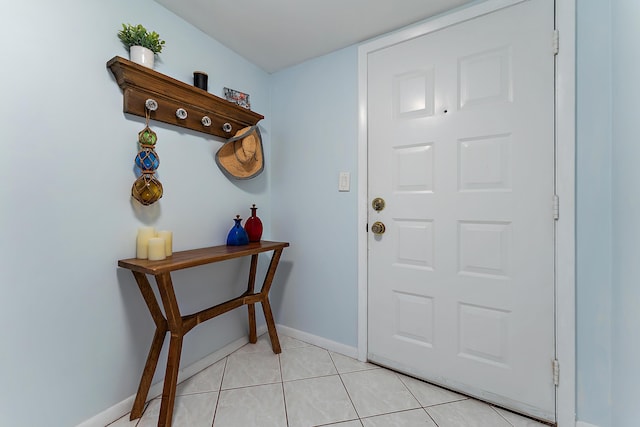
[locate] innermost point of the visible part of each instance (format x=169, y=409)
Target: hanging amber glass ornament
x=147, y=189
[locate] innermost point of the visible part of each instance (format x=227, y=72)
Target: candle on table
x=168, y=241
x=142, y=241
x=156, y=249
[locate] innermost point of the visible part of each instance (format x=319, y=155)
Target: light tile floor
x=309, y=386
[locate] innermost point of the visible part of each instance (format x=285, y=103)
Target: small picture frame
x=237, y=97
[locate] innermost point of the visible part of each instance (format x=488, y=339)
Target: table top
x=195, y=257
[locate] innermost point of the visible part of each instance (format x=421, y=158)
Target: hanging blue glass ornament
x=147, y=159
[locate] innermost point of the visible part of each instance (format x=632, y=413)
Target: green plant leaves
x=137, y=35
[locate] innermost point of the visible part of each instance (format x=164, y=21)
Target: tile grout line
x=284, y=397
x=430, y=417
x=500, y=415
x=424, y=408
x=400, y=411
x=215, y=409
x=345, y=388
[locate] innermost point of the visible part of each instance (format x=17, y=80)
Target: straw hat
x=241, y=157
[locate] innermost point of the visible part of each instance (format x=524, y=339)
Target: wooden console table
x=178, y=325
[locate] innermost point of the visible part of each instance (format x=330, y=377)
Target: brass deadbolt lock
x=378, y=204
x=378, y=228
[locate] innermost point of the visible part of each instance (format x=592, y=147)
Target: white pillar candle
x=142, y=241
x=168, y=241
x=156, y=249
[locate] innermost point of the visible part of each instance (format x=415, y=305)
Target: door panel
x=461, y=148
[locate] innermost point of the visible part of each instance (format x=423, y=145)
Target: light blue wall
x=75, y=331
x=314, y=121
x=594, y=218
x=626, y=212
x=608, y=270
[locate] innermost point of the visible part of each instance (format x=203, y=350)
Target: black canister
x=200, y=80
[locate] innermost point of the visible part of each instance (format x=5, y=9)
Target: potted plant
x=142, y=44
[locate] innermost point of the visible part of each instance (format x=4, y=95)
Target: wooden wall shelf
x=140, y=83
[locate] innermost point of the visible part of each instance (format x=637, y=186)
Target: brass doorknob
x=378, y=204
x=378, y=228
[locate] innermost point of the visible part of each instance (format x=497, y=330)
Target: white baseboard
x=319, y=341
x=122, y=408
x=583, y=424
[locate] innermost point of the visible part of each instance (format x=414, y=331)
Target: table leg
x=174, y=321
x=156, y=345
x=266, y=305
x=170, y=382
x=253, y=336
x=147, y=374
x=271, y=326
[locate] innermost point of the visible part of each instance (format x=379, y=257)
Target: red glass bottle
x=253, y=226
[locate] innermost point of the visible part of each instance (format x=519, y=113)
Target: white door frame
x=565, y=184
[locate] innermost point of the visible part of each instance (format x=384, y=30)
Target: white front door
x=461, y=149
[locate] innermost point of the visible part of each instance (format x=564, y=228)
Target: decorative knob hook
x=206, y=121
x=151, y=104
x=181, y=113
x=227, y=127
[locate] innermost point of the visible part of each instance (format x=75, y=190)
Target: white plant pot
x=141, y=55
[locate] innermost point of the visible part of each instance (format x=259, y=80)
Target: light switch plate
x=344, y=181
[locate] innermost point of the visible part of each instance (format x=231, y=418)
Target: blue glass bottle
x=237, y=235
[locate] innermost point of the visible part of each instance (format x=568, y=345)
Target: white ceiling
x=276, y=34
